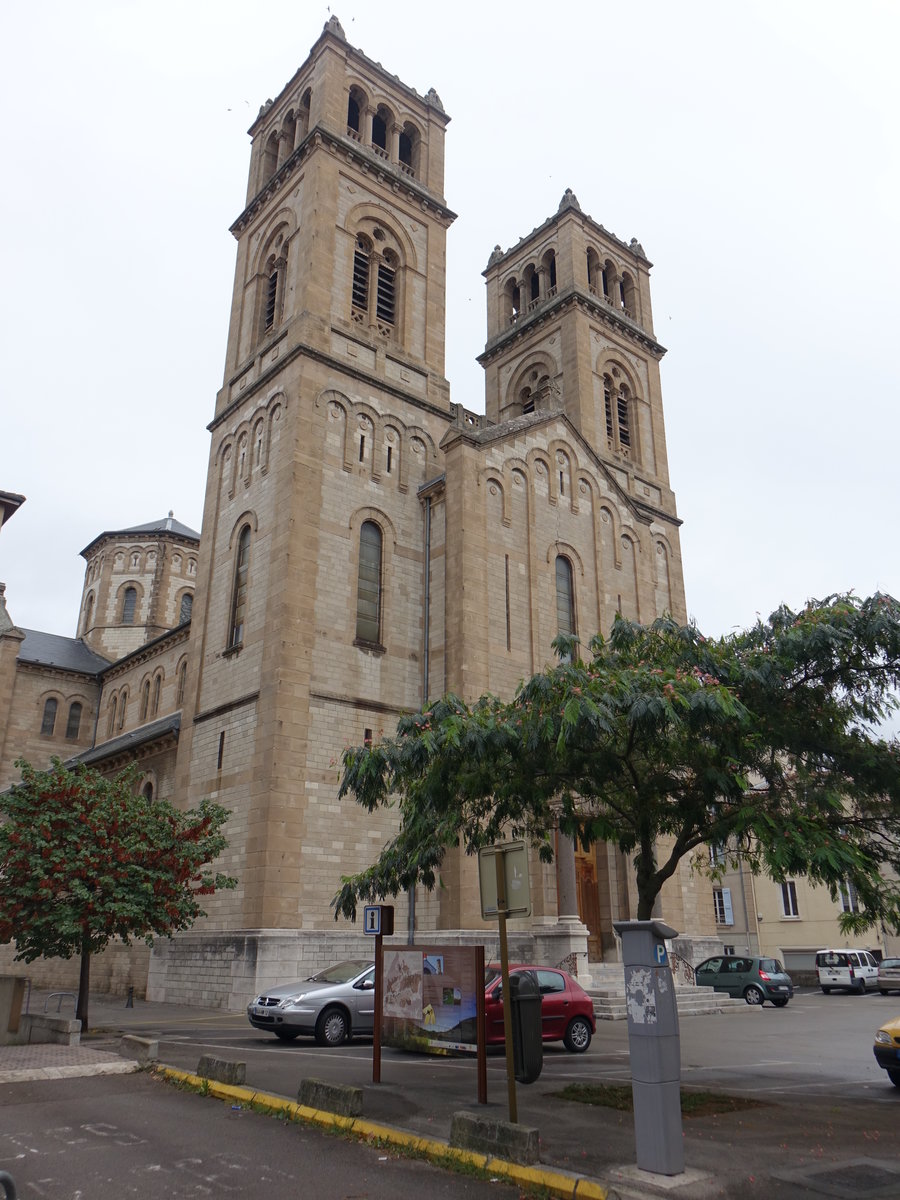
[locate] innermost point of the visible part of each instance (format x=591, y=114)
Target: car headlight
x=884, y=1038
x=292, y=1000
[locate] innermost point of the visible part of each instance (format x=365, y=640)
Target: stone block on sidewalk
x=339, y=1098
x=142, y=1050
x=501, y=1139
x=221, y=1070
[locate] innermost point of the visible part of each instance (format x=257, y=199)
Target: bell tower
x=342, y=243
x=307, y=620
x=570, y=329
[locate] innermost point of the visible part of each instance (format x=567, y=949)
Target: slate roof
x=164, y=525
x=65, y=653
x=129, y=741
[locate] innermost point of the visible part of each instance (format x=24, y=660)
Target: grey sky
x=752, y=149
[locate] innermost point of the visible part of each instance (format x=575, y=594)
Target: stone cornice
x=328, y=360
x=572, y=297
x=357, y=155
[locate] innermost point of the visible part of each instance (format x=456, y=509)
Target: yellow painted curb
x=558, y=1183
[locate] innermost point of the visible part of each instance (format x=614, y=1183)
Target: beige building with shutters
x=368, y=544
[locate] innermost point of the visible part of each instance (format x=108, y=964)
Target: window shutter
x=726, y=907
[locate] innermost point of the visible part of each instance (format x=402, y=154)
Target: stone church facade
x=367, y=544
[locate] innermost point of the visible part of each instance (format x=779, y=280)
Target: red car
x=567, y=1011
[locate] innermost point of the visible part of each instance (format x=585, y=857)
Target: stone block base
x=500, y=1139
x=339, y=1098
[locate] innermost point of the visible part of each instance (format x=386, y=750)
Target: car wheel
x=861, y=986
x=578, y=1035
x=332, y=1027
x=286, y=1035
x=894, y=1077
x=782, y=1003
x=753, y=995
x=826, y=991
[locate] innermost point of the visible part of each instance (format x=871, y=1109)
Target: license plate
x=262, y=1012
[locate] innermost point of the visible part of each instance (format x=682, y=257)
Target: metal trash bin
x=525, y=1013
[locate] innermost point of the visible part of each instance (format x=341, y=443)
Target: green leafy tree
x=664, y=742
x=85, y=859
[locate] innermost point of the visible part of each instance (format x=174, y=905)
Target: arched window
x=111, y=722
x=123, y=704
x=157, y=687
x=272, y=306
x=73, y=724
x=129, y=604
x=565, y=596
x=303, y=114
x=623, y=420
x=88, y=612
x=386, y=305
x=145, y=700
x=381, y=123
x=360, y=296
x=239, y=593
x=375, y=287
x=627, y=294
x=513, y=298
x=270, y=157
x=179, y=688
x=48, y=722
x=147, y=790
x=356, y=106
x=617, y=414
x=368, y=592
x=409, y=149
x=187, y=601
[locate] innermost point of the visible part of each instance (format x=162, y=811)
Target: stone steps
x=607, y=991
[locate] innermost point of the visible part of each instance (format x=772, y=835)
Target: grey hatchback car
x=330, y=1006
x=756, y=979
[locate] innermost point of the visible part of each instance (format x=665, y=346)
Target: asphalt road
x=826, y=1127
x=104, y=1138
x=817, y=1046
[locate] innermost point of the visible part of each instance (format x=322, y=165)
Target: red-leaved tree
x=85, y=859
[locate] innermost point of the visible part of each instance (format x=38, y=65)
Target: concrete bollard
x=221, y=1070
x=142, y=1050
x=501, y=1139
x=337, y=1098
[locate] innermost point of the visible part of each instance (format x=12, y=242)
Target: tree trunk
x=646, y=879
x=84, y=984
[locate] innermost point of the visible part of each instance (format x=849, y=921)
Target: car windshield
x=772, y=965
x=490, y=974
x=341, y=972
x=890, y=962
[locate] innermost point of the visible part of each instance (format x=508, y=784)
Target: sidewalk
x=793, y=1151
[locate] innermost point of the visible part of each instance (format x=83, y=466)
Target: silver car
x=330, y=1006
x=889, y=975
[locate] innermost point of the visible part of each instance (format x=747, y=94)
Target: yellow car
x=887, y=1049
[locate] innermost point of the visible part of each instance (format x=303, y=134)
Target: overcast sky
x=751, y=148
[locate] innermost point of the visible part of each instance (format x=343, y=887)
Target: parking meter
x=528, y=1046
x=654, y=1045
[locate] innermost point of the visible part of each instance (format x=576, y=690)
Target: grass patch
x=693, y=1103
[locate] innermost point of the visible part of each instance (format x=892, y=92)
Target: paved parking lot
x=827, y=1126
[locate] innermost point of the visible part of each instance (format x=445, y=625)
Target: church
x=367, y=544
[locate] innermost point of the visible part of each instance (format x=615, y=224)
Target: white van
x=852, y=970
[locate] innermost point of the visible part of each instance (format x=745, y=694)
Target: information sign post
x=505, y=892
x=378, y=919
